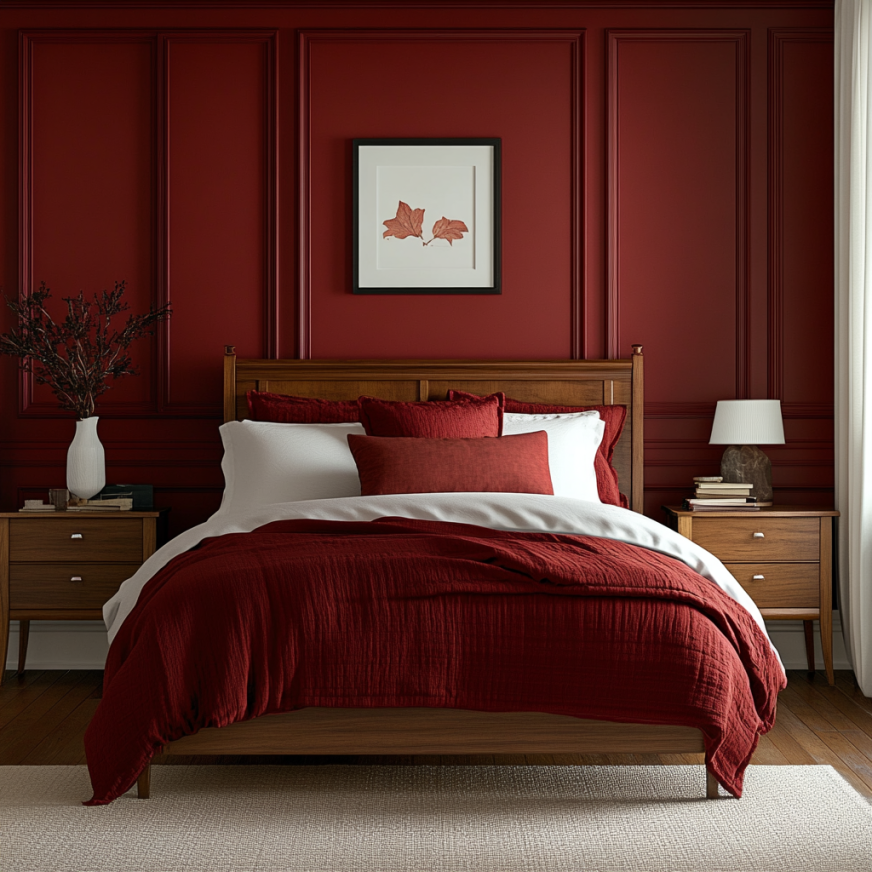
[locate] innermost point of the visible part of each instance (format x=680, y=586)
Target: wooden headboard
x=564, y=382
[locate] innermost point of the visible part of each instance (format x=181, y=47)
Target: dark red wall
x=667, y=180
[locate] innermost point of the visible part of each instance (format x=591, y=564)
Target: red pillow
x=415, y=465
x=468, y=418
x=613, y=417
x=284, y=409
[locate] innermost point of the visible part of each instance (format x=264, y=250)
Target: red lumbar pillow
x=466, y=418
x=285, y=409
x=415, y=465
x=613, y=417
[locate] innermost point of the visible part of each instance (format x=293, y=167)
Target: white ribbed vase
x=86, y=461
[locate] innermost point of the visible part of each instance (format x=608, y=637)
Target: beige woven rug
x=417, y=819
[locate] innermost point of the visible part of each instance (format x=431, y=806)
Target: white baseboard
x=61, y=645
x=789, y=638
x=82, y=645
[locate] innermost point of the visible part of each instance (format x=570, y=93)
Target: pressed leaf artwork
x=410, y=222
x=450, y=230
x=407, y=223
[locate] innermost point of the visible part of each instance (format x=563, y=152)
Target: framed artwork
x=426, y=216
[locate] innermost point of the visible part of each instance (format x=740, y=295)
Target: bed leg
x=143, y=783
x=711, y=786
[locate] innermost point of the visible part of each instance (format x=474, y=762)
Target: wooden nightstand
x=64, y=565
x=783, y=557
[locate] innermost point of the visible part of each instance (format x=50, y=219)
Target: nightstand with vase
x=63, y=565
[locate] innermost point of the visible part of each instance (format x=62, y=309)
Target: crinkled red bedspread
x=398, y=612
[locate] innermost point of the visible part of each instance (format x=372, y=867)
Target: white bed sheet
x=522, y=512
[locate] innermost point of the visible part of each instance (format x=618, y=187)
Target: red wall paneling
x=524, y=85
x=788, y=351
x=123, y=133
x=678, y=226
x=667, y=180
x=87, y=184
x=800, y=371
x=221, y=208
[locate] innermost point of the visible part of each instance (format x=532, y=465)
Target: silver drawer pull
x=758, y=577
x=79, y=536
x=79, y=578
x=759, y=536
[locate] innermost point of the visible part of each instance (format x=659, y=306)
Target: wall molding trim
x=683, y=488
x=270, y=327
x=777, y=38
x=802, y=411
x=311, y=37
x=27, y=40
x=741, y=39
x=684, y=444
x=419, y=4
x=160, y=41
x=692, y=461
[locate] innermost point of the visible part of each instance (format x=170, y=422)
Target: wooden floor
x=43, y=716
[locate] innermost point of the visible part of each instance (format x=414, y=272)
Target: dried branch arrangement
x=77, y=355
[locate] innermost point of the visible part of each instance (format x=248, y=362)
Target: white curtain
x=853, y=251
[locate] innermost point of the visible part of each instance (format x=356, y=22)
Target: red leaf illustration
x=407, y=223
x=450, y=230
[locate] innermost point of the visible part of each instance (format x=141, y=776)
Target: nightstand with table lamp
x=782, y=555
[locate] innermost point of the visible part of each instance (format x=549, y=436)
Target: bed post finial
x=637, y=407
x=229, y=383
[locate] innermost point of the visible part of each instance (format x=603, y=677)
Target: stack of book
x=118, y=504
x=37, y=506
x=713, y=494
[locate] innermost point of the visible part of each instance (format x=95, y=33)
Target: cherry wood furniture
x=62, y=566
x=444, y=731
x=781, y=555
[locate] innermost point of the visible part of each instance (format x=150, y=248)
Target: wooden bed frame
x=445, y=731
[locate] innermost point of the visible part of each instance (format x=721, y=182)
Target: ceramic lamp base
x=747, y=463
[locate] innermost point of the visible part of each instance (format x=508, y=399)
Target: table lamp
x=742, y=425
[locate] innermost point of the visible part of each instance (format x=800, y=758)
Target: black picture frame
x=486, y=251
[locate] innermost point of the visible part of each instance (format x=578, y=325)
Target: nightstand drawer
x=740, y=539
x=783, y=585
x=49, y=586
x=90, y=540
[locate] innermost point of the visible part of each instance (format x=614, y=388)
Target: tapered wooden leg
x=4, y=593
x=808, y=626
x=827, y=645
x=143, y=783
x=711, y=786
x=4, y=638
x=827, y=596
x=23, y=637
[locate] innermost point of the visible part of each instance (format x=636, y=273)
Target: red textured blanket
x=398, y=612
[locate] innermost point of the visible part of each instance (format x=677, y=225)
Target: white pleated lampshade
x=748, y=422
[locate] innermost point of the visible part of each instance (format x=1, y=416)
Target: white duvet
x=523, y=512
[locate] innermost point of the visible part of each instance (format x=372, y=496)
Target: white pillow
x=573, y=441
x=279, y=463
